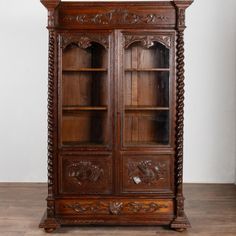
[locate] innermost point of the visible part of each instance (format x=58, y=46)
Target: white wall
x=210, y=118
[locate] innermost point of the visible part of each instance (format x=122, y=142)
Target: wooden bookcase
x=115, y=113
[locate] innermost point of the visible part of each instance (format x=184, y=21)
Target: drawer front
x=114, y=207
x=86, y=174
x=147, y=174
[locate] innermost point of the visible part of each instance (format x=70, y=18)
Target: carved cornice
x=115, y=207
x=84, y=40
x=147, y=40
x=116, y=16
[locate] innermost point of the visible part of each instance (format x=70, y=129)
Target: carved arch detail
x=84, y=40
x=147, y=40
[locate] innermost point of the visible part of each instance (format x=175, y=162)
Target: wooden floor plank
x=211, y=209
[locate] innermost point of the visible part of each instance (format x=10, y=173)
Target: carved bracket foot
x=180, y=224
x=49, y=224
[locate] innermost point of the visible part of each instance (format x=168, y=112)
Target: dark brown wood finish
x=115, y=113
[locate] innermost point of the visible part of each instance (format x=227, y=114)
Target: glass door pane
x=146, y=99
x=84, y=95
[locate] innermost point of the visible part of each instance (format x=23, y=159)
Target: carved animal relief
x=146, y=172
x=84, y=172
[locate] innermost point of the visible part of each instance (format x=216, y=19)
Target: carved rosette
x=84, y=172
x=147, y=40
x=116, y=207
x=84, y=40
x=146, y=172
x=117, y=16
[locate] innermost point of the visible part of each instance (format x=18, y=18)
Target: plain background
x=210, y=111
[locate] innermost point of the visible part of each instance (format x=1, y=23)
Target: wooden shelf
x=83, y=143
x=146, y=108
x=145, y=143
x=146, y=69
x=85, y=70
x=84, y=108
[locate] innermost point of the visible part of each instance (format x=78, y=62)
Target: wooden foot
x=49, y=230
x=180, y=229
x=180, y=224
x=49, y=224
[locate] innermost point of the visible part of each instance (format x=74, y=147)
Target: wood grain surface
x=210, y=208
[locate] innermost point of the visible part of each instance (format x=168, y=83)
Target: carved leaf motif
x=146, y=172
x=95, y=207
x=147, y=40
x=84, y=171
x=116, y=208
x=145, y=208
x=117, y=16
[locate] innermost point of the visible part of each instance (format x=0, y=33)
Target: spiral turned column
x=180, y=122
x=51, y=74
x=181, y=222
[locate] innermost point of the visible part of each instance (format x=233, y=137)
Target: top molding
x=52, y=4
x=107, y=15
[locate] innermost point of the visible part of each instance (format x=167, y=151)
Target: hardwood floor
x=22, y=206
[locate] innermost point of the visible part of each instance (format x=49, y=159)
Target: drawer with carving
x=88, y=174
x=114, y=207
x=147, y=173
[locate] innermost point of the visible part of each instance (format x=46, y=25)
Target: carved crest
x=115, y=207
x=84, y=40
x=116, y=16
x=147, y=40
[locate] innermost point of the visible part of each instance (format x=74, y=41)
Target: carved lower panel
x=86, y=174
x=114, y=207
x=147, y=173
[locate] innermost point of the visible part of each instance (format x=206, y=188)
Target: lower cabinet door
x=147, y=173
x=85, y=174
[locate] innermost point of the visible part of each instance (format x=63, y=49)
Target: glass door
x=84, y=92
x=146, y=88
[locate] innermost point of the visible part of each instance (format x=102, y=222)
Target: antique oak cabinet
x=115, y=113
